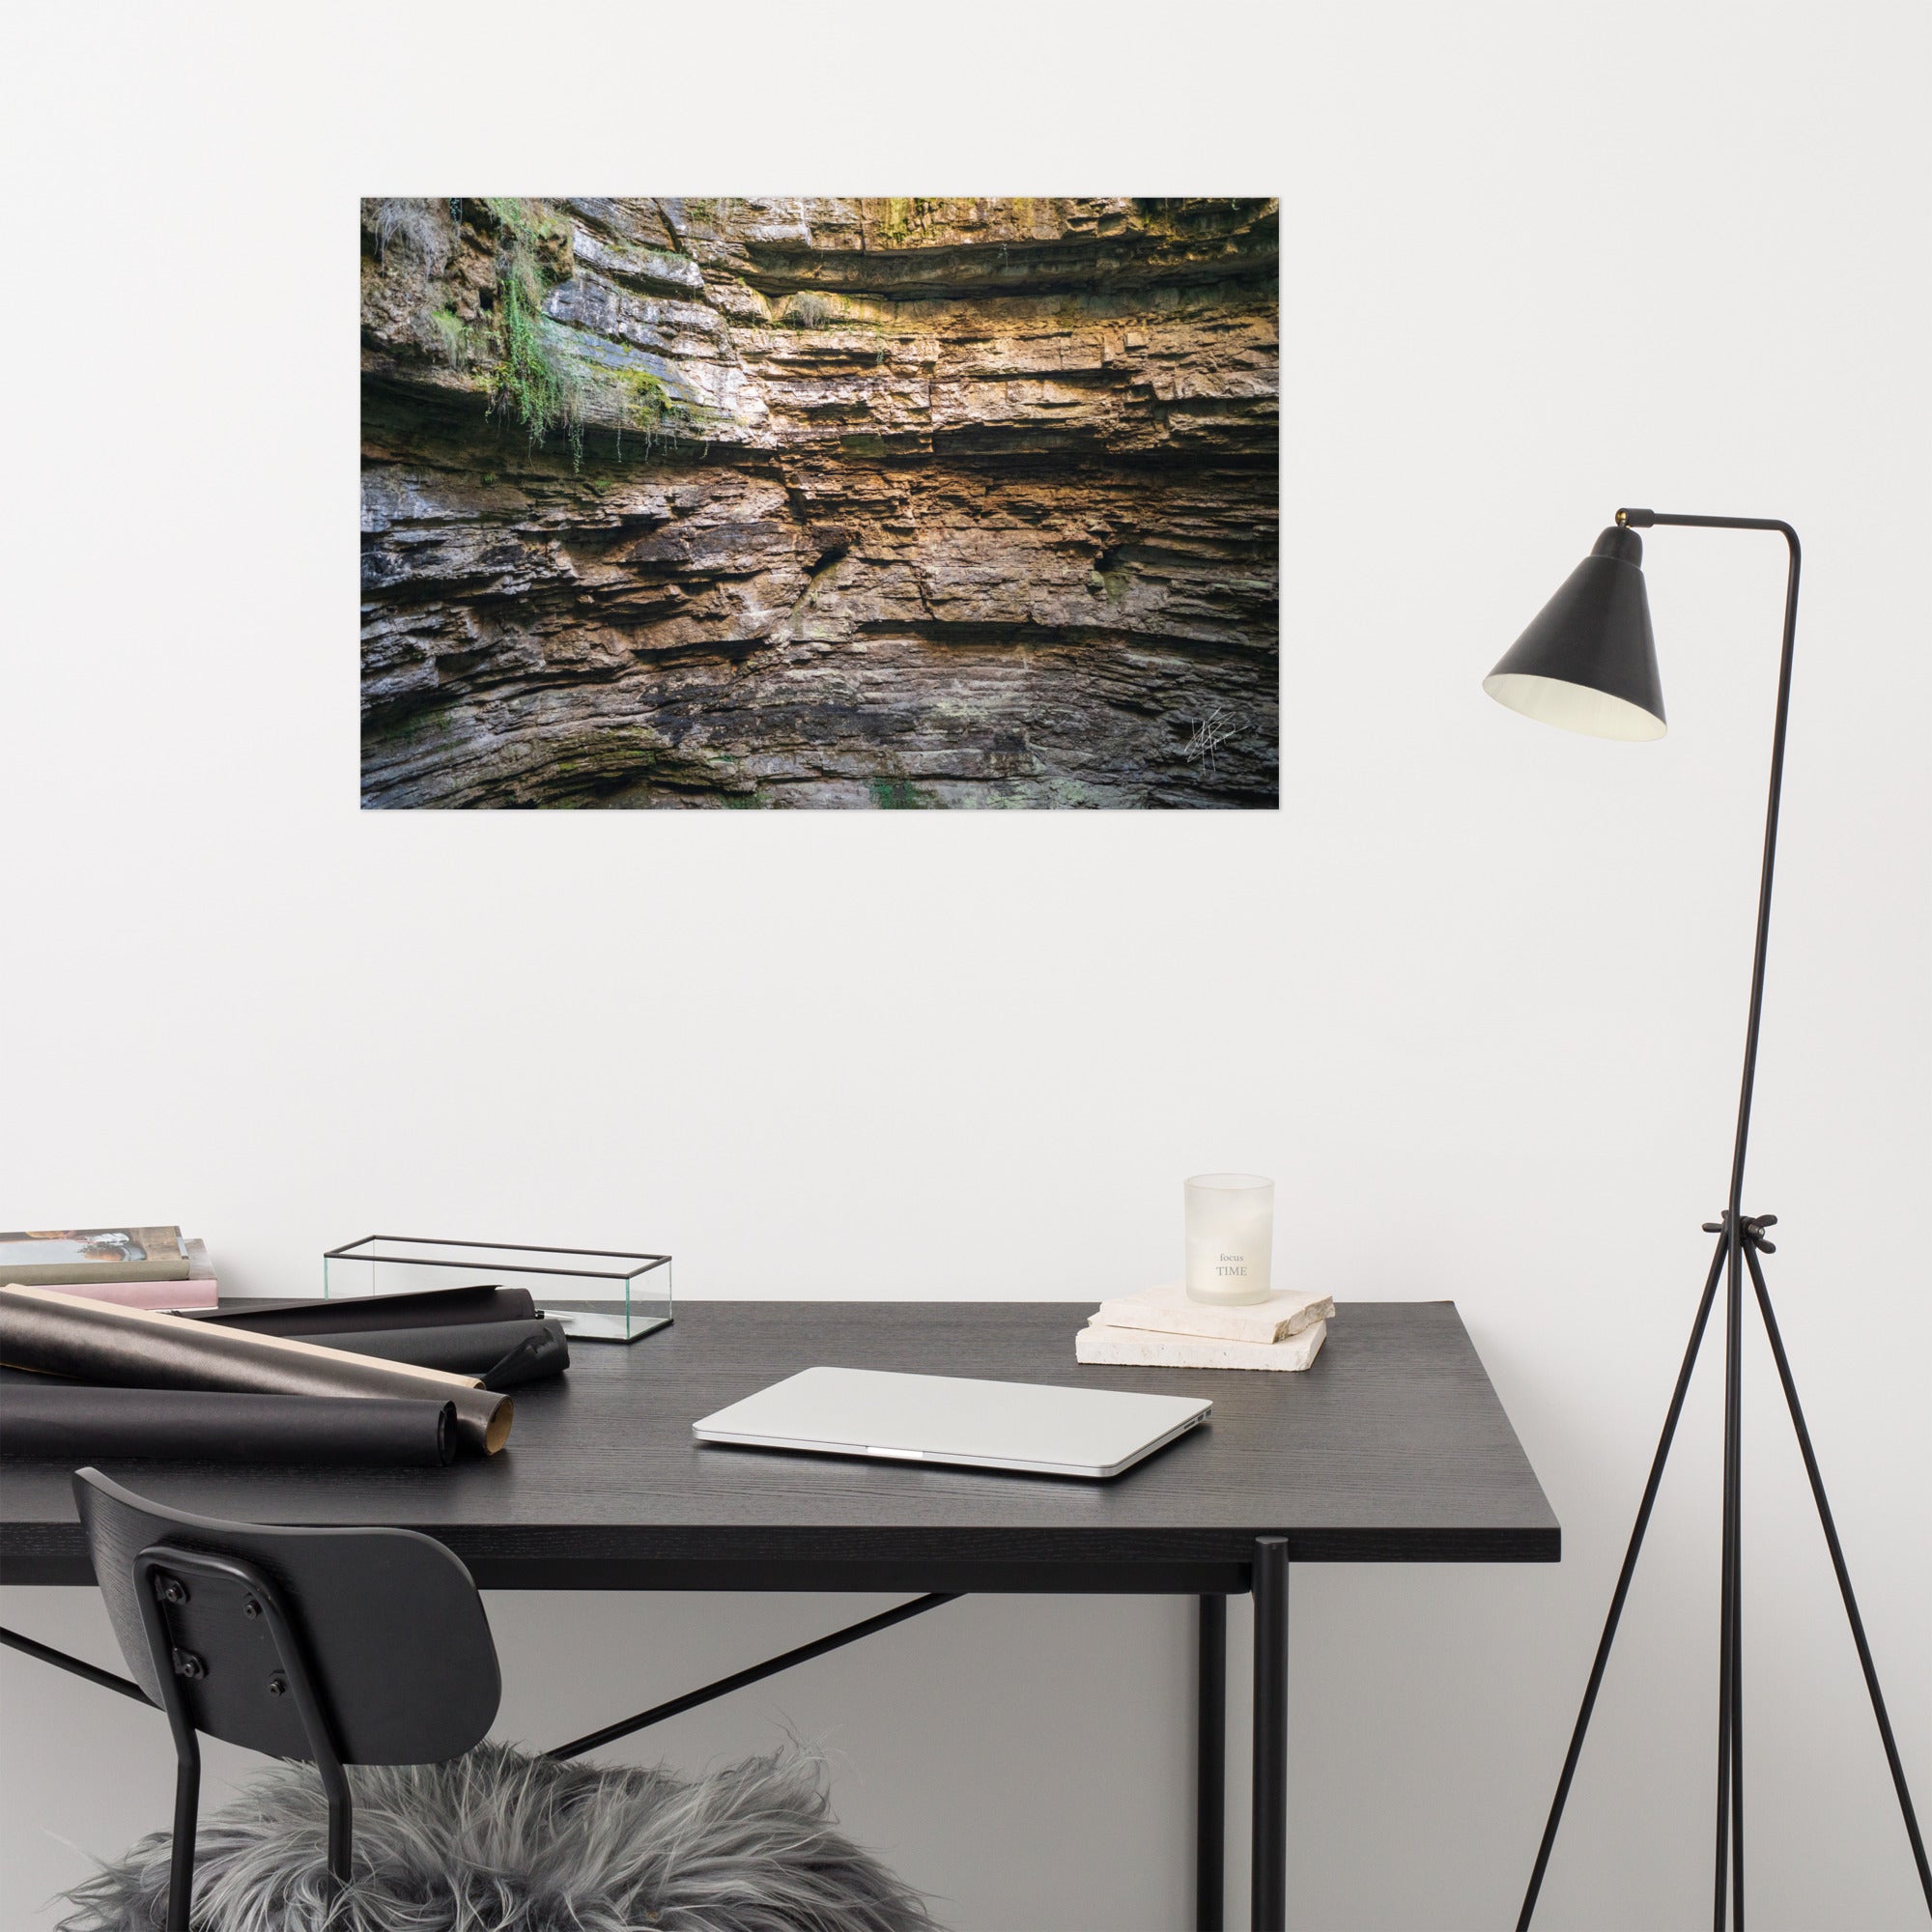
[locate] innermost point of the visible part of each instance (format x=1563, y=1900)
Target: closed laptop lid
x=955, y=1419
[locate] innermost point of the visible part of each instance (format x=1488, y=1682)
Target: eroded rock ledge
x=872, y=502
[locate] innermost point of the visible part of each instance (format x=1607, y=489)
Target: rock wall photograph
x=816, y=502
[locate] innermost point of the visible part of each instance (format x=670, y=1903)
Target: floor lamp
x=1588, y=663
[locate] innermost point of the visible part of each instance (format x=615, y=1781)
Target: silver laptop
x=1045, y=1432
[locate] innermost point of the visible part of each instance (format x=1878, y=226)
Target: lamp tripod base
x=1741, y=1240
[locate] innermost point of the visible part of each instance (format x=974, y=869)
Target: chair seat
x=498, y=1841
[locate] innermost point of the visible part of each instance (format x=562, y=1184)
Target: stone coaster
x=1168, y=1310
x=1141, y=1348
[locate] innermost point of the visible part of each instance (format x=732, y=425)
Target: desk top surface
x=1392, y=1446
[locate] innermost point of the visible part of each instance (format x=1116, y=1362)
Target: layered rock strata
x=944, y=502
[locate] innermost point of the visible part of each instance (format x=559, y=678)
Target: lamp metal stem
x=1729, y=1876
x=1641, y=519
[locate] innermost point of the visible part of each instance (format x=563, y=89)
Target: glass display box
x=598, y=1296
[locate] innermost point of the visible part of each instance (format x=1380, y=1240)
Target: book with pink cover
x=166, y=1295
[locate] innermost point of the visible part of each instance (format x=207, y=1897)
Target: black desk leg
x=1211, y=1766
x=1270, y=1839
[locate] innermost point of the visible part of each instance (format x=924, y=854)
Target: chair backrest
x=391, y=1632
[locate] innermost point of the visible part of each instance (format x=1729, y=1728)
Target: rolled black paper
x=363, y=1314
x=466, y=1347
x=68, y=1423
x=138, y=1347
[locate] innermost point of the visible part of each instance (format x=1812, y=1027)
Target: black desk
x=1392, y=1448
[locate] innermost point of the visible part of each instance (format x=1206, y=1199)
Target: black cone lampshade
x=1588, y=662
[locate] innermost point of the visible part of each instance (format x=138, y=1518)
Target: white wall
x=1475, y=994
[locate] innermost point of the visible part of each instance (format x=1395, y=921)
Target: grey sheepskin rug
x=499, y=1842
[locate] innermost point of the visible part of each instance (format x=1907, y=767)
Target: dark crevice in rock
x=1039, y=637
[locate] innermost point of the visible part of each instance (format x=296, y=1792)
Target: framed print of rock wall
x=785, y=502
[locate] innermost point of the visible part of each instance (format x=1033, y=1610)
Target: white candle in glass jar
x=1230, y=1236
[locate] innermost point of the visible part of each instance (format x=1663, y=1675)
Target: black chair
x=331, y=1646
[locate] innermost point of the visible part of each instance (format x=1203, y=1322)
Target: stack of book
x=131, y=1267
x=1162, y=1328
